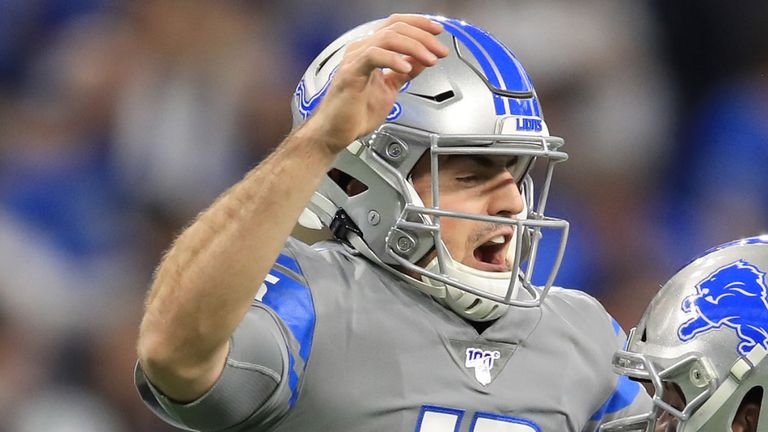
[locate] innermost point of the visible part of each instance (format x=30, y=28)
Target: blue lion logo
x=733, y=296
x=307, y=105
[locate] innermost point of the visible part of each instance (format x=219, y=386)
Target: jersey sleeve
x=268, y=353
x=628, y=397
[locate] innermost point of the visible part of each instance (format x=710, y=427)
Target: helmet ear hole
x=350, y=185
x=753, y=396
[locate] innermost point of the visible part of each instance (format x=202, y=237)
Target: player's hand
x=371, y=74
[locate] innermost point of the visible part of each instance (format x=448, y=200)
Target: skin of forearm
x=208, y=279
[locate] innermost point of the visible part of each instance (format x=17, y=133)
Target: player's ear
x=746, y=417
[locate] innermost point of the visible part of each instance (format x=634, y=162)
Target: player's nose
x=505, y=198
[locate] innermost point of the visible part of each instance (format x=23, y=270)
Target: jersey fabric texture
x=335, y=343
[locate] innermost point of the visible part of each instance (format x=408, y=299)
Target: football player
x=414, y=142
x=701, y=345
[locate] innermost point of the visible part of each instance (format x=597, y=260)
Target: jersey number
x=440, y=419
x=269, y=279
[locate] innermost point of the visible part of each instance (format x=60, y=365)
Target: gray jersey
x=335, y=343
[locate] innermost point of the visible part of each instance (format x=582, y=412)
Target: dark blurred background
x=120, y=120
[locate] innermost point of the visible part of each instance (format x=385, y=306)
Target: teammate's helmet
x=706, y=332
x=476, y=101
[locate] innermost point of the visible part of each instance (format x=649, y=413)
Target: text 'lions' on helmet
x=703, y=337
x=477, y=101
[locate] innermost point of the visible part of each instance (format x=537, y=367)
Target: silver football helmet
x=477, y=101
x=705, y=332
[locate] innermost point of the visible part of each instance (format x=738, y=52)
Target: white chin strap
x=471, y=306
x=468, y=305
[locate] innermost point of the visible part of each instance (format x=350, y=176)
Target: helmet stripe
x=490, y=73
x=512, y=72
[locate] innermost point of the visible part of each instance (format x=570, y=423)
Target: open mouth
x=492, y=255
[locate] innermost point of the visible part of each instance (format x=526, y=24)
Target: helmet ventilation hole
x=440, y=97
x=325, y=60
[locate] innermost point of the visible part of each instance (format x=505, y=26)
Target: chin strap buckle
x=342, y=225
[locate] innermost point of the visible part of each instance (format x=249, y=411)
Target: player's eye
x=513, y=162
x=468, y=178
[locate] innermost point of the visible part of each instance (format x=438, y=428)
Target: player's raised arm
x=207, y=280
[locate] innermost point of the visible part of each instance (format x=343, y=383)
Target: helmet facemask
x=474, y=293
x=414, y=232
x=690, y=376
x=708, y=402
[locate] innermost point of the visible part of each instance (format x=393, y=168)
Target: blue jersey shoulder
x=286, y=292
